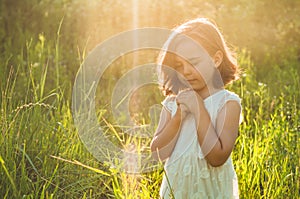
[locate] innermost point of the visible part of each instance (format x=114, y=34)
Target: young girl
x=200, y=119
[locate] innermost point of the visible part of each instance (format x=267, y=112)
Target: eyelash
x=195, y=62
x=178, y=64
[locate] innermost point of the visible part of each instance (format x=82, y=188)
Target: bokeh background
x=43, y=44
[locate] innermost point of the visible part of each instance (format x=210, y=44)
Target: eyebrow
x=193, y=59
x=189, y=59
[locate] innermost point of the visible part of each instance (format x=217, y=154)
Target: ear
x=218, y=58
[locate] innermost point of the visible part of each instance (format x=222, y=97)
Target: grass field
x=42, y=156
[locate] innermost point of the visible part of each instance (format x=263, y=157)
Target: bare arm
x=216, y=143
x=166, y=134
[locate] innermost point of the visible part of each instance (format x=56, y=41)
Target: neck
x=206, y=91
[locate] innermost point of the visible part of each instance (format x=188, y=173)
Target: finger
x=184, y=112
x=183, y=93
x=186, y=90
x=182, y=100
x=186, y=95
x=184, y=108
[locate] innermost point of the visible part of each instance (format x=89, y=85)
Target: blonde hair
x=210, y=38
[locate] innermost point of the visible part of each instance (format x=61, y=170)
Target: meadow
x=44, y=43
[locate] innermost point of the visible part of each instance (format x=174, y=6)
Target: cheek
x=205, y=71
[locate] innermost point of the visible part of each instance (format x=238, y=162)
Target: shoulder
x=231, y=105
x=232, y=96
x=219, y=99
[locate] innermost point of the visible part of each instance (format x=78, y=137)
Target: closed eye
x=195, y=61
x=178, y=65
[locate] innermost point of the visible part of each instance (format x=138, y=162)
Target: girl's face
x=194, y=64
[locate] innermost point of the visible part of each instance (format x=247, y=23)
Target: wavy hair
x=210, y=38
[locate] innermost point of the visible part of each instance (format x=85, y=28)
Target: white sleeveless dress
x=187, y=173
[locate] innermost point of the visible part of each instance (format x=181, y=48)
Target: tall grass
x=41, y=155
x=36, y=123
x=267, y=151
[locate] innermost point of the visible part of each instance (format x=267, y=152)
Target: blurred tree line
x=268, y=29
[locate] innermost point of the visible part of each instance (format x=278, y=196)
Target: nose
x=187, y=69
